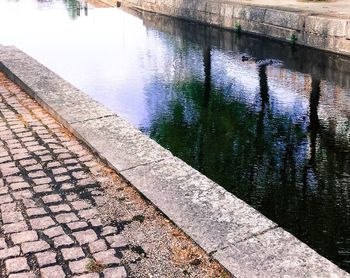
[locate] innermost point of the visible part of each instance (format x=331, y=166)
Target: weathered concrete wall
x=317, y=31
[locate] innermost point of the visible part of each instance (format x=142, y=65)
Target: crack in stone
x=140, y=165
x=92, y=119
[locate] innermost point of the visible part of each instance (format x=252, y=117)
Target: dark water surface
x=272, y=128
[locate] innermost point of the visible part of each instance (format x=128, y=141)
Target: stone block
x=325, y=27
x=16, y=264
x=275, y=253
x=213, y=8
x=181, y=193
x=121, y=144
x=291, y=20
x=249, y=13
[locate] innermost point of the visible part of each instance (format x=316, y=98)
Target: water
x=268, y=122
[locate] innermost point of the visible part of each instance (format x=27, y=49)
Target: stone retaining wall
x=317, y=31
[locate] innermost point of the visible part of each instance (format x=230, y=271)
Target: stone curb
x=244, y=241
x=304, y=28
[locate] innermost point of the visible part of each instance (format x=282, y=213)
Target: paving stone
x=35, y=211
x=116, y=272
x=20, y=156
x=24, y=194
x=8, y=171
x=106, y=257
x=8, y=207
x=16, y=265
x=40, y=181
x=78, y=267
x=3, y=244
x=77, y=225
x=53, y=164
x=66, y=217
x=60, y=208
x=96, y=222
x=62, y=178
x=63, y=240
x=88, y=213
x=42, y=188
x=4, y=190
x=28, y=203
x=19, y=185
x=34, y=247
x=14, y=179
x=85, y=236
x=15, y=227
x=59, y=170
x=21, y=237
x=53, y=232
x=42, y=222
x=12, y=217
x=54, y=198
x=52, y=272
x=79, y=205
x=9, y=252
x=27, y=162
x=97, y=246
x=34, y=167
x=72, y=197
x=37, y=174
x=45, y=258
x=108, y=230
x=5, y=199
x=72, y=253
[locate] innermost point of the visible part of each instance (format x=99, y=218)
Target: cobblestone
x=42, y=222
x=117, y=272
x=15, y=227
x=35, y=246
x=79, y=267
x=46, y=258
x=21, y=237
x=16, y=265
x=9, y=252
x=85, y=236
x=63, y=240
x=53, y=272
x=51, y=200
x=72, y=253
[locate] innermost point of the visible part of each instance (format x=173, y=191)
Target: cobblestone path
x=48, y=198
x=57, y=218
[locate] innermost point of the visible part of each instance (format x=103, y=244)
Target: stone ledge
x=265, y=21
x=244, y=241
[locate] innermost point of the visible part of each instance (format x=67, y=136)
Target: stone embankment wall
x=317, y=31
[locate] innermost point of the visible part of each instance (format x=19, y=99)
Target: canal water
x=267, y=121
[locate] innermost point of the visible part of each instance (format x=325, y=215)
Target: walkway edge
x=240, y=238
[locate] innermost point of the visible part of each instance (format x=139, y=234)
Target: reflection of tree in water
x=281, y=167
x=224, y=136
x=74, y=8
